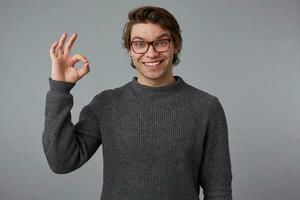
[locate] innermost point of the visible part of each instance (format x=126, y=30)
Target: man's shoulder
x=198, y=94
x=112, y=94
x=201, y=99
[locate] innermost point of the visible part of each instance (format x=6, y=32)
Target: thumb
x=84, y=70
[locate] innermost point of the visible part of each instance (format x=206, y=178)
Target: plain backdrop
x=244, y=52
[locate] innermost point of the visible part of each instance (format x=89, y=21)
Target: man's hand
x=63, y=68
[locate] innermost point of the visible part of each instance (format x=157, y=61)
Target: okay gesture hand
x=63, y=65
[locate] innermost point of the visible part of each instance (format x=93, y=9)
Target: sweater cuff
x=60, y=86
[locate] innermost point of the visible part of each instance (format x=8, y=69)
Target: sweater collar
x=144, y=90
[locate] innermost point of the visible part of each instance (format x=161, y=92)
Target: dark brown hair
x=155, y=15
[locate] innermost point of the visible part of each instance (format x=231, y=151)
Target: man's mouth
x=153, y=63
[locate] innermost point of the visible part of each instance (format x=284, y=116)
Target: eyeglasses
x=141, y=47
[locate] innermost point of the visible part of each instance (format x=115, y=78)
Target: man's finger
x=77, y=58
x=84, y=70
x=59, y=49
x=52, y=49
x=70, y=43
x=80, y=57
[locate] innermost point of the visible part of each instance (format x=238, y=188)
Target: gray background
x=245, y=52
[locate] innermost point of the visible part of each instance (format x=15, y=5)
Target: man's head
x=157, y=25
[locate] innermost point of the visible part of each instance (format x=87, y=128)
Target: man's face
x=152, y=66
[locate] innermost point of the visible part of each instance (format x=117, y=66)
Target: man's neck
x=157, y=83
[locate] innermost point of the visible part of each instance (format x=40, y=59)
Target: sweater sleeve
x=67, y=146
x=215, y=172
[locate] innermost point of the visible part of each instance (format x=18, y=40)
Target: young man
x=162, y=138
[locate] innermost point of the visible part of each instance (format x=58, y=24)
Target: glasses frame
x=151, y=43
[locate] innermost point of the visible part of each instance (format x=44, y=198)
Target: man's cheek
x=138, y=59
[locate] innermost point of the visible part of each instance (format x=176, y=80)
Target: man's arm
x=215, y=172
x=68, y=146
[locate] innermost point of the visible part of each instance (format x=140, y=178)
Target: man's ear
x=129, y=52
x=176, y=50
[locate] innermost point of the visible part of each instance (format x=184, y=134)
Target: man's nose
x=151, y=52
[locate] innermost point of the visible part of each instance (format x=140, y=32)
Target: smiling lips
x=151, y=64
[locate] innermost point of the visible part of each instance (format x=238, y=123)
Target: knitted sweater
x=159, y=143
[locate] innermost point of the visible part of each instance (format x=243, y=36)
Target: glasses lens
x=162, y=45
x=139, y=46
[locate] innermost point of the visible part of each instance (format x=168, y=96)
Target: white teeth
x=152, y=64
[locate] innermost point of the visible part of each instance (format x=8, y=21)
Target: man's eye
x=162, y=42
x=139, y=44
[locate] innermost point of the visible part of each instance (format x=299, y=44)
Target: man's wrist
x=60, y=86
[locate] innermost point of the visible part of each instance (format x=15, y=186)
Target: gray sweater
x=158, y=143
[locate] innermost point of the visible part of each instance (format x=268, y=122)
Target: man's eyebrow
x=137, y=37
x=160, y=36
x=163, y=35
